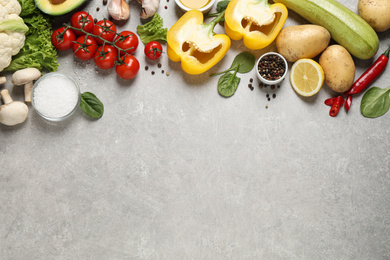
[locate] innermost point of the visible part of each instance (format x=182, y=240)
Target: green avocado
x=58, y=7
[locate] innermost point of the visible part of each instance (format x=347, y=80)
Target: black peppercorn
x=271, y=67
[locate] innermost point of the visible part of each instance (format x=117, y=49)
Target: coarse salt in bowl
x=55, y=96
x=203, y=9
x=271, y=81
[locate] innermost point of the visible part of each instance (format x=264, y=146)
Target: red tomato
x=127, y=41
x=106, y=57
x=85, y=47
x=153, y=50
x=63, y=38
x=82, y=20
x=105, y=29
x=129, y=67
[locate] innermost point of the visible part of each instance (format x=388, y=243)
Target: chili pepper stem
x=387, y=52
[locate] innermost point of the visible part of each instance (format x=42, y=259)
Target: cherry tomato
x=63, y=38
x=105, y=29
x=128, y=41
x=85, y=47
x=129, y=67
x=153, y=50
x=82, y=20
x=106, y=57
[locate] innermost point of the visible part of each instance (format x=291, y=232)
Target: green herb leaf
x=228, y=84
x=245, y=61
x=91, y=105
x=375, y=102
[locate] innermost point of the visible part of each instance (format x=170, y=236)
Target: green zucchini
x=346, y=27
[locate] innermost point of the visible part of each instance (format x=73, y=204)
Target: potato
x=302, y=41
x=376, y=13
x=339, y=68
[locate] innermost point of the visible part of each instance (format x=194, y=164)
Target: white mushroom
x=12, y=112
x=26, y=77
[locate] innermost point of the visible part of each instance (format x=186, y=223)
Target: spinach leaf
x=375, y=102
x=91, y=105
x=245, y=61
x=228, y=83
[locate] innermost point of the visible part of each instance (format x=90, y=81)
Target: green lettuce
x=153, y=30
x=38, y=51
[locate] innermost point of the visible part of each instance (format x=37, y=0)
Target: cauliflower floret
x=12, y=31
x=12, y=6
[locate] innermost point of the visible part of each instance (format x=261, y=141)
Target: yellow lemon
x=306, y=77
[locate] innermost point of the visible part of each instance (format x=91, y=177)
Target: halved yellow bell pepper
x=257, y=21
x=194, y=43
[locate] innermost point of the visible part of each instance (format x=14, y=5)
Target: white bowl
x=267, y=81
x=55, y=96
x=204, y=9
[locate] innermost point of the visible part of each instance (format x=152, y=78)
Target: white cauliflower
x=12, y=31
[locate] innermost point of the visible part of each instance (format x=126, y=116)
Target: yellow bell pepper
x=257, y=21
x=194, y=43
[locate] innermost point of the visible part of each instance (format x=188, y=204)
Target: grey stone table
x=174, y=171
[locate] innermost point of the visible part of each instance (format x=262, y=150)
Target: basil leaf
x=375, y=102
x=227, y=84
x=245, y=60
x=91, y=105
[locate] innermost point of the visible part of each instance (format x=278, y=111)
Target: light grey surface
x=174, y=171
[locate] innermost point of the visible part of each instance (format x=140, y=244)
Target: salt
x=55, y=95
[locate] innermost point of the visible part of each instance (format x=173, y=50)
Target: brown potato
x=376, y=13
x=339, y=68
x=302, y=41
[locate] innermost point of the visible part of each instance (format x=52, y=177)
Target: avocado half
x=58, y=7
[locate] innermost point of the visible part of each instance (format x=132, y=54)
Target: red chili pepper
x=372, y=73
x=334, y=110
x=348, y=103
x=330, y=101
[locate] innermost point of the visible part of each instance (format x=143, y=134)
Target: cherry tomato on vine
x=63, y=38
x=106, y=57
x=85, y=47
x=128, y=68
x=82, y=20
x=128, y=41
x=105, y=29
x=153, y=50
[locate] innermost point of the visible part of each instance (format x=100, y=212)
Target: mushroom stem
x=28, y=91
x=3, y=80
x=6, y=96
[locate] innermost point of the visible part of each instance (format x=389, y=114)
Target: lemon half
x=306, y=77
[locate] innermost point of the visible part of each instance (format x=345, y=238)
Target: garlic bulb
x=119, y=9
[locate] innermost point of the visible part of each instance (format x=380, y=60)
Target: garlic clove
x=119, y=9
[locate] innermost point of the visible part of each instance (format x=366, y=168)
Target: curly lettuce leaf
x=153, y=30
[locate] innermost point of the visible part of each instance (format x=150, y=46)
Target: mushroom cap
x=25, y=76
x=13, y=113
